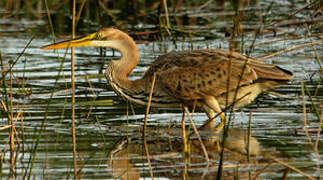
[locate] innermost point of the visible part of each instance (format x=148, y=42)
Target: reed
x=166, y=15
x=305, y=124
x=73, y=94
x=4, y=84
x=197, y=134
x=293, y=168
x=12, y=114
x=236, y=31
x=317, y=58
x=11, y=136
x=184, y=138
x=101, y=130
x=31, y=161
x=290, y=49
x=248, y=143
x=311, y=105
x=145, y=125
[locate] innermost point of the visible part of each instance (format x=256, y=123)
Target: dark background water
x=263, y=27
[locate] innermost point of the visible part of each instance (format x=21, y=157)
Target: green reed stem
x=316, y=110
x=100, y=128
x=1, y=165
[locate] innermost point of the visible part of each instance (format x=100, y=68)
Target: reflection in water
x=122, y=167
x=127, y=158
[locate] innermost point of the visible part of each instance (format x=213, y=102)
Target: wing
x=196, y=74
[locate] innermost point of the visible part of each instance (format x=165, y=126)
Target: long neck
x=129, y=59
x=118, y=70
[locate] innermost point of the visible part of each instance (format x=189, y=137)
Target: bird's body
x=188, y=76
x=185, y=77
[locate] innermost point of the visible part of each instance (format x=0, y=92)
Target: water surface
x=109, y=144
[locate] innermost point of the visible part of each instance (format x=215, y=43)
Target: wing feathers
x=196, y=74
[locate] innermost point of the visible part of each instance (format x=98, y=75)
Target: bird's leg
x=211, y=114
x=209, y=125
x=213, y=104
x=197, y=133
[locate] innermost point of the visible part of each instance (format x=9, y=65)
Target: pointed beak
x=83, y=41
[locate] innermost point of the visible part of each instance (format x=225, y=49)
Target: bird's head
x=108, y=37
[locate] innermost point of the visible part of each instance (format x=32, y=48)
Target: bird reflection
x=127, y=159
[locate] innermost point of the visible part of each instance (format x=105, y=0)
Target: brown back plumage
x=199, y=73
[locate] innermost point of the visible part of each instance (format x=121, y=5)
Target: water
x=102, y=129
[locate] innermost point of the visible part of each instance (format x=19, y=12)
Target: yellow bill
x=83, y=41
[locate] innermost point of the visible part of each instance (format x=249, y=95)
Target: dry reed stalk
x=313, y=47
x=288, y=38
x=149, y=102
x=148, y=158
x=157, y=156
x=248, y=142
x=194, y=106
x=11, y=137
x=197, y=134
x=108, y=12
x=7, y=9
x=209, y=2
x=290, y=49
x=293, y=168
x=80, y=11
x=261, y=171
x=285, y=174
x=33, y=11
x=184, y=135
x=169, y=126
x=17, y=9
x=166, y=15
x=19, y=114
x=73, y=94
x=145, y=125
x=22, y=131
x=315, y=145
x=184, y=173
x=3, y=105
x=127, y=116
x=294, y=13
x=5, y=127
x=16, y=135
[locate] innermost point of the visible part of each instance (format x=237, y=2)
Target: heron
x=184, y=78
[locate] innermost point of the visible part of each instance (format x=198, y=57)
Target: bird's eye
x=98, y=36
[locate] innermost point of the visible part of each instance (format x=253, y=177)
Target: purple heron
x=184, y=77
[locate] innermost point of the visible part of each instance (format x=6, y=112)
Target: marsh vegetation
x=278, y=136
